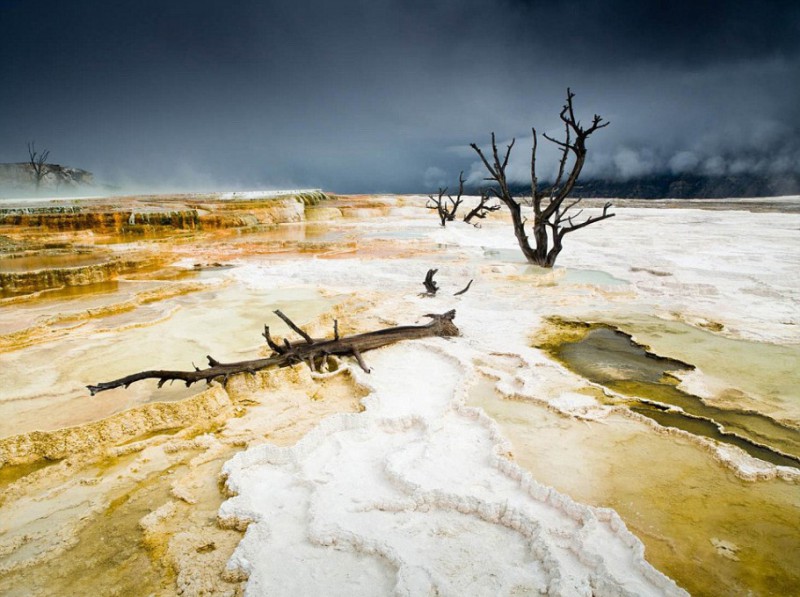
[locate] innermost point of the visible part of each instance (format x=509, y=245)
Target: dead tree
x=552, y=219
x=447, y=211
x=482, y=209
x=311, y=351
x=38, y=163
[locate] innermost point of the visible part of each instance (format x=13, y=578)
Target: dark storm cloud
x=386, y=94
x=682, y=32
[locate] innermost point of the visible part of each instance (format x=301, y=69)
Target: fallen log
x=308, y=350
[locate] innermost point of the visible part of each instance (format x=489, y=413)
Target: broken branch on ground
x=309, y=350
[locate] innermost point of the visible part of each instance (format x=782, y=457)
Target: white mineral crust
x=416, y=496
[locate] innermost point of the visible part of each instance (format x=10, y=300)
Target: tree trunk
x=540, y=236
x=519, y=230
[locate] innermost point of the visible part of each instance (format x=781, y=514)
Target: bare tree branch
x=464, y=290
x=482, y=209
x=484, y=160
x=534, y=179
x=549, y=210
x=604, y=216
x=275, y=347
x=561, y=165
x=451, y=213
x=292, y=325
x=360, y=361
x=439, y=205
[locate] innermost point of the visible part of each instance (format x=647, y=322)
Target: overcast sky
x=386, y=95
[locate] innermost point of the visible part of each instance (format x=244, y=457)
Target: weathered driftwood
x=431, y=287
x=309, y=350
x=463, y=290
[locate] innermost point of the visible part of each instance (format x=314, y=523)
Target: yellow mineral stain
x=26, y=263
x=165, y=328
x=107, y=558
x=157, y=533
x=65, y=292
x=95, y=437
x=768, y=383
x=671, y=493
x=12, y=473
x=606, y=356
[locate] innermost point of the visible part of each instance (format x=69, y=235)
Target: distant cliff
x=686, y=186
x=19, y=178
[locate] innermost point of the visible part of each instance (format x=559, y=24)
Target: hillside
x=686, y=186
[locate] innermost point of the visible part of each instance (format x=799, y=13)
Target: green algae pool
x=711, y=531
x=609, y=357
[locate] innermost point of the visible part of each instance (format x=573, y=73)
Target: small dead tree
x=447, y=208
x=482, y=209
x=552, y=219
x=38, y=163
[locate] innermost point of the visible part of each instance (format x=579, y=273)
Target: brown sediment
x=12, y=283
x=135, y=218
x=101, y=222
x=61, y=292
